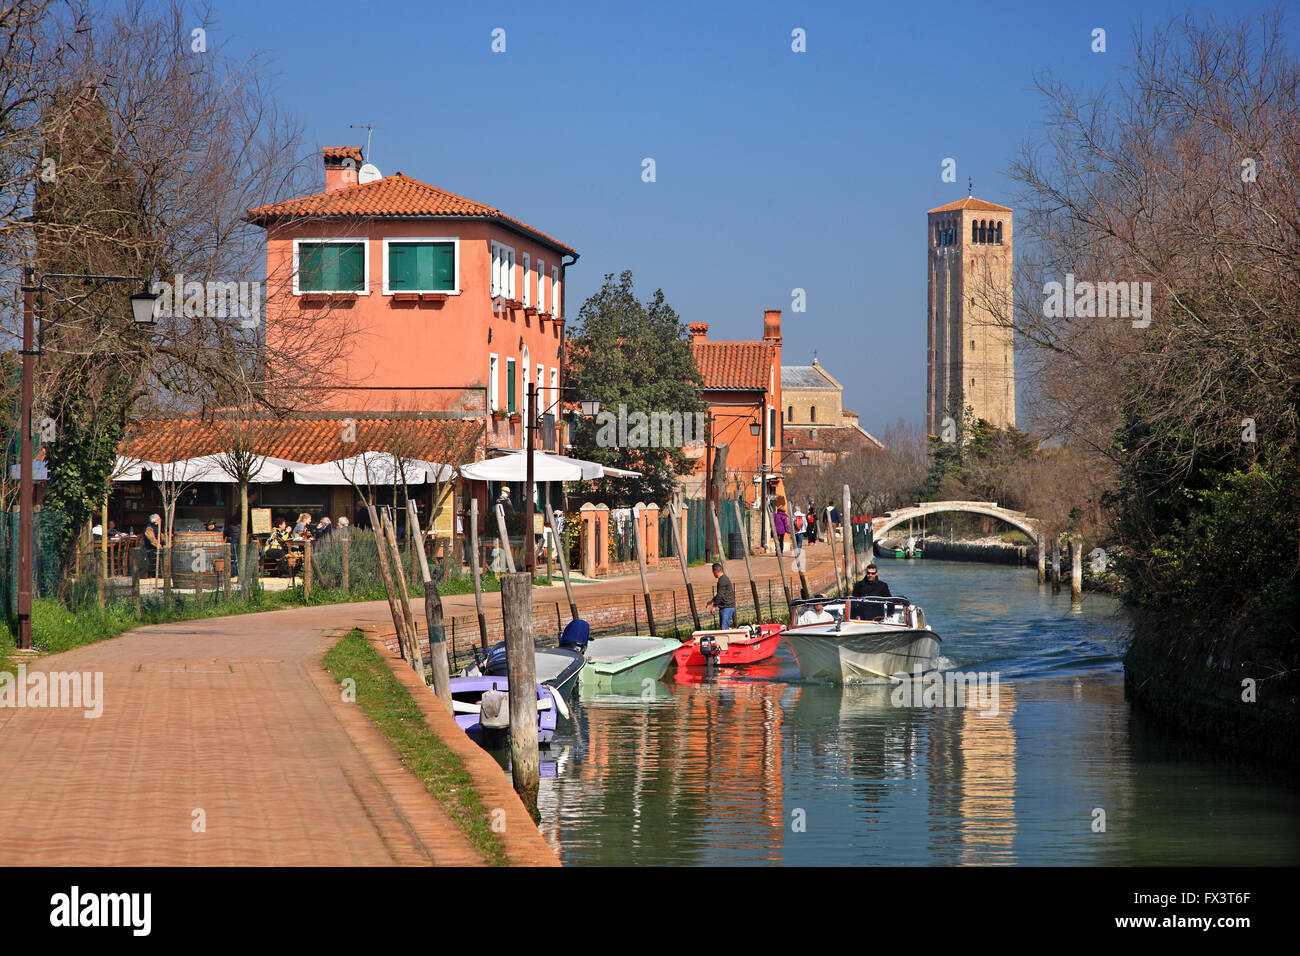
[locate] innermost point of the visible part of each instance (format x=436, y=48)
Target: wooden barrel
x=199, y=558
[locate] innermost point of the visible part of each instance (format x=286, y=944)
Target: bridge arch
x=1017, y=519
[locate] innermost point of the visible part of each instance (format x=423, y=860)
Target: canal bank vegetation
x=393, y=711
x=1181, y=184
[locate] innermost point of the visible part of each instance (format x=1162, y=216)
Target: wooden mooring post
x=1056, y=565
x=835, y=563
x=478, y=585
x=846, y=528
x=749, y=569
x=521, y=670
x=561, y=554
x=386, y=575
x=433, y=619
x=505, y=539
x=1076, y=571
x=675, y=514
x=1042, y=560
x=403, y=595
x=640, y=563
x=780, y=565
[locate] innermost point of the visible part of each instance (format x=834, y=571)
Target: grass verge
x=388, y=704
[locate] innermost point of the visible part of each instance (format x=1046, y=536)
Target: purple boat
x=484, y=719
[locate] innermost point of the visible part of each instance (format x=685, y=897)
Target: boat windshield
x=827, y=610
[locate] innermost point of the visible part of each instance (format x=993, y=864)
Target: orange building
x=742, y=388
x=440, y=303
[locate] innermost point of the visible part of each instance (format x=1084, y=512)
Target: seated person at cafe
x=277, y=545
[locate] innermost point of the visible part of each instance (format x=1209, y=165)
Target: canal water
x=759, y=767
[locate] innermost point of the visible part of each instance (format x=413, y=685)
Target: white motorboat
x=861, y=639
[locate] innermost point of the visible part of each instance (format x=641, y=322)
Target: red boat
x=739, y=645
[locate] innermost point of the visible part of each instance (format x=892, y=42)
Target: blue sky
x=775, y=170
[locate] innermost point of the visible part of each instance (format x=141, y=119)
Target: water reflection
x=752, y=766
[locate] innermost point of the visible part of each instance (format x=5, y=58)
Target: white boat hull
x=861, y=651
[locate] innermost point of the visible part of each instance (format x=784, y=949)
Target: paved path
x=232, y=716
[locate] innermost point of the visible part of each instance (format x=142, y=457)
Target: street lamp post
x=590, y=407
x=142, y=306
x=758, y=431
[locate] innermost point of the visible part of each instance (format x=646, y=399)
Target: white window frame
x=523, y=398
x=365, y=243
x=555, y=391
x=541, y=278
x=555, y=291
x=454, y=240
x=503, y=268
x=541, y=388
x=528, y=299
x=494, y=382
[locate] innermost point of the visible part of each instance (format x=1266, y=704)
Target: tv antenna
x=369, y=129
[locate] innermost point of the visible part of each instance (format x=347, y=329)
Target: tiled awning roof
x=735, y=365
x=308, y=440
x=394, y=197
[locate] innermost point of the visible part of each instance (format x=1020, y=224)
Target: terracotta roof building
x=742, y=388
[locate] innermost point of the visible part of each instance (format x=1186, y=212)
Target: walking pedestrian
x=780, y=527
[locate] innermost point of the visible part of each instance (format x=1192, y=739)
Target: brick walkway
x=236, y=717
x=233, y=716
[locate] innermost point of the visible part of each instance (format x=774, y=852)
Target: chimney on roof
x=699, y=331
x=341, y=165
x=772, y=325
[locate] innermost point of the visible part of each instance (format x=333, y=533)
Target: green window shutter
x=403, y=267
x=331, y=267
x=510, y=385
x=421, y=266
x=443, y=266
x=351, y=267
x=310, y=278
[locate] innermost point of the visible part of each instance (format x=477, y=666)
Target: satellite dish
x=368, y=174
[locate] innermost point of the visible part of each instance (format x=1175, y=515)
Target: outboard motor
x=710, y=650
x=576, y=635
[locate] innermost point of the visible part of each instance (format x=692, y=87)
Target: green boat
x=625, y=666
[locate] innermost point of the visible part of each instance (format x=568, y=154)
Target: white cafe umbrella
x=371, y=468
x=513, y=468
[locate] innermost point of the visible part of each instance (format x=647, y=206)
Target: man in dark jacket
x=870, y=585
x=725, y=598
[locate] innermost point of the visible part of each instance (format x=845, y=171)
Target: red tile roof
x=736, y=365
x=970, y=202
x=394, y=197
x=307, y=440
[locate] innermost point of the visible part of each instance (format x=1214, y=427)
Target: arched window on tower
x=984, y=231
x=974, y=231
x=812, y=413
x=999, y=239
x=789, y=413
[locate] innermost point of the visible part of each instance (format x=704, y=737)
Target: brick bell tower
x=970, y=352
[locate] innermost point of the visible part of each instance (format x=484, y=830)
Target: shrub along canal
x=760, y=767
